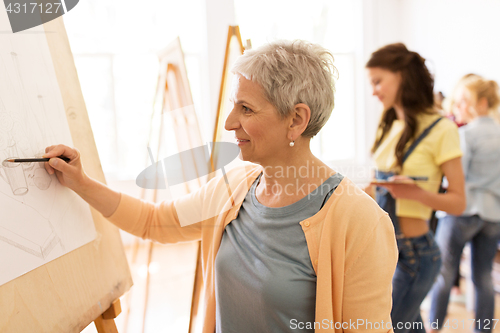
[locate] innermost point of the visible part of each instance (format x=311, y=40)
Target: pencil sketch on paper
x=40, y=219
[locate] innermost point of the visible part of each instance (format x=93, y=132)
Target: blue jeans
x=452, y=234
x=418, y=265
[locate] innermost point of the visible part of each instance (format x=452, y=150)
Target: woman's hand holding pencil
x=72, y=175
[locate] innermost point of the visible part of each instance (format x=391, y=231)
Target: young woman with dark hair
x=413, y=140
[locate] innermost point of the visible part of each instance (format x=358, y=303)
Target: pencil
x=28, y=160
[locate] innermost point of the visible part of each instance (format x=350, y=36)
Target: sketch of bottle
x=47, y=133
x=32, y=125
x=6, y=125
x=41, y=178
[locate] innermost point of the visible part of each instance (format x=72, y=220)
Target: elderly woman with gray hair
x=288, y=244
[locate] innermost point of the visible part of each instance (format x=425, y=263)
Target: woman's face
x=260, y=132
x=463, y=107
x=385, y=85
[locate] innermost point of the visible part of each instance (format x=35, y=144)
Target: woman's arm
x=159, y=222
x=452, y=202
x=72, y=175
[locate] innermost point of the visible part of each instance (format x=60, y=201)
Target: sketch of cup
x=42, y=179
x=15, y=177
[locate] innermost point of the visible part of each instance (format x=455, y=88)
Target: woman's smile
x=242, y=142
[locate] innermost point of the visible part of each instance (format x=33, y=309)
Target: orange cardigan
x=350, y=240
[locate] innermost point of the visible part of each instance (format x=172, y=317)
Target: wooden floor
x=171, y=279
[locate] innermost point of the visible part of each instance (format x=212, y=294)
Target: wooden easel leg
x=198, y=282
x=105, y=323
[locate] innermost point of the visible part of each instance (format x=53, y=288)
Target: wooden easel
x=233, y=34
x=105, y=323
x=174, y=96
x=62, y=295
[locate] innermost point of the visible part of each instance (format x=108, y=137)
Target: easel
x=233, y=33
x=174, y=96
x=62, y=295
x=237, y=44
x=105, y=323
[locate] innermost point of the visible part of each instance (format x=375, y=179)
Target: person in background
x=476, y=104
x=447, y=106
x=412, y=140
x=287, y=243
x=449, y=103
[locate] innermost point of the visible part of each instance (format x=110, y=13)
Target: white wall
x=456, y=36
x=219, y=16
x=459, y=37
x=381, y=25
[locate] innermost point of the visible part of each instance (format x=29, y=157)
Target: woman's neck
x=298, y=166
x=281, y=180
x=479, y=113
x=482, y=113
x=399, y=112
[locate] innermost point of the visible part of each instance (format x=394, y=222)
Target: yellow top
x=350, y=241
x=440, y=145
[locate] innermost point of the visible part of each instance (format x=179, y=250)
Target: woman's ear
x=300, y=119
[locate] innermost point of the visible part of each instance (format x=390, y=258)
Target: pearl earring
x=292, y=143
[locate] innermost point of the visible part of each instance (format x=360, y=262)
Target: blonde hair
x=487, y=89
x=449, y=102
x=293, y=72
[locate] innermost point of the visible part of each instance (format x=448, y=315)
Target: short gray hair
x=293, y=72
